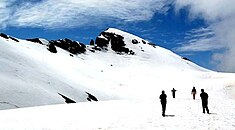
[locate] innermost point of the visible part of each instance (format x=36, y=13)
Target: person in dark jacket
x=173, y=92
x=194, y=92
x=163, y=102
x=204, y=97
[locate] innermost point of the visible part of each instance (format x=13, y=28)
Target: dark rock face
x=143, y=42
x=36, y=40
x=52, y=48
x=66, y=44
x=91, y=97
x=116, y=41
x=4, y=35
x=152, y=44
x=67, y=100
x=101, y=42
x=69, y=45
x=7, y=37
x=134, y=41
x=92, y=43
x=14, y=39
x=97, y=48
x=186, y=58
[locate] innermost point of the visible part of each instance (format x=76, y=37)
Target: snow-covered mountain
x=123, y=72
x=118, y=65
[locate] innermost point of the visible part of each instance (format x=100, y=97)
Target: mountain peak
x=115, y=64
x=121, y=42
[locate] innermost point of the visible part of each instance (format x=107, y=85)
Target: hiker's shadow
x=169, y=115
x=213, y=113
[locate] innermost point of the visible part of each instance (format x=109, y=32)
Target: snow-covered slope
x=118, y=66
x=125, y=73
x=183, y=114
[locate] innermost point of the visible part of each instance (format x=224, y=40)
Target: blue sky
x=203, y=31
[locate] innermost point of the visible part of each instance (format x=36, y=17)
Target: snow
x=125, y=115
x=127, y=87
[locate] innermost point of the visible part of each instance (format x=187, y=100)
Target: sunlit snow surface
x=184, y=114
x=127, y=86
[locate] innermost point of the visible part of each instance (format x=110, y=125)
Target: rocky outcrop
x=116, y=41
x=104, y=42
x=4, y=35
x=36, y=40
x=67, y=100
x=69, y=45
x=91, y=97
x=134, y=41
x=92, y=43
x=52, y=48
x=66, y=44
x=8, y=37
x=185, y=58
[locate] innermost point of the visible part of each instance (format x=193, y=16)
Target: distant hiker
x=173, y=92
x=204, y=97
x=163, y=102
x=194, y=92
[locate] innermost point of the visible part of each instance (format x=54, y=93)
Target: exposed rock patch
x=8, y=37
x=116, y=41
x=36, y=40
x=52, y=48
x=186, y=58
x=67, y=100
x=134, y=41
x=69, y=45
x=91, y=97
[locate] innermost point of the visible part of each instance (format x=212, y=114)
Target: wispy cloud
x=5, y=12
x=220, y=17
x=199, y=45
x=199, y=33
x=201, y=39
x=75, y=13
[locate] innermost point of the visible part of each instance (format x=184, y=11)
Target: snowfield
x=184, y=114
x=127, y=87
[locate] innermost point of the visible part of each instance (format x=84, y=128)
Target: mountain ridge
x=110, y=37
x=34, y=74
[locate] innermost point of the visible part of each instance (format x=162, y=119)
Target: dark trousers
x=194, y=94
x=205, y=107
x=163, y=108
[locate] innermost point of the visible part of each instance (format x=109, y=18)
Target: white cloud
x=220, y=15
x=226, y=36
x=201, y=39
x=208, y=9
x=75, y=13
x=200, y=33
x=206, y=44
x=5, y=12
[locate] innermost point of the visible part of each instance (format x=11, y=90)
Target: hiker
x=173, y=92
x=204, y=97
x=194, y=92
x=163, y=102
